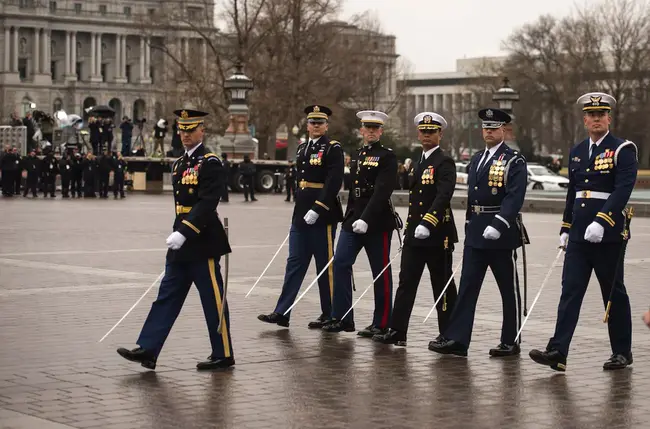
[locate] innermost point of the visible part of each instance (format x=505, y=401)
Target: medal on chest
x=604, y=161
x=191, y=176
x=371, y=161
x=496, y=174
x=316, y=158
x=427, y=176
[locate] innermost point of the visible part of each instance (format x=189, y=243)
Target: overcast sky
x=432, y=34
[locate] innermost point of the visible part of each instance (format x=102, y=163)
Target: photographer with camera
x=127, y=133
x=159, y=132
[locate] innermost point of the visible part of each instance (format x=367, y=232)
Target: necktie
x=483, y=159
x=308, y=146
x=591, y=148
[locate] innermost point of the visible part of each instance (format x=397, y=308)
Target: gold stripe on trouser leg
x=220, y=308
x=330, y=254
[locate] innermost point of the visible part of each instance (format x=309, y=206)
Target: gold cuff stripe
x=607, y=219
x=220, y=308
x=431, y=219
x=322, y=205
x=195, y=229
x=566, y=225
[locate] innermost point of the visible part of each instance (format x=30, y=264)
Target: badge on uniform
x=496, y=174
x=604, y=161
x=316, y=158
x=427, y=176
x=190, y=177
x=575, y=159
x=371, y=161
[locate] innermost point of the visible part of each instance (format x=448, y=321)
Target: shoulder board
x=335, y=142
x=211, y=156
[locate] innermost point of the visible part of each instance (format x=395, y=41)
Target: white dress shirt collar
x=191, y=151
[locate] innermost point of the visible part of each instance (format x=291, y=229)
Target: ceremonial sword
x=443, y=290
x=225, y=282
x=269, y=264
x=628, y=219
x=310, y=285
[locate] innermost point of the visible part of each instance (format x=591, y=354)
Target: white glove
x=594, y=232
x=491, y=233
x=359, y=227
x=175, y=240
x=564, y=239
x=422, y=232
x=311, y=217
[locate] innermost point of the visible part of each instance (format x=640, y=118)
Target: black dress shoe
x=138, y=354
x=503, y=350
x=371, y=331
x=215, y=363
x=448, y=347
x=391, y=337
x=338, y=326
x=550, y=357
x=618, y=361
x=319, y=323
x=276, y=318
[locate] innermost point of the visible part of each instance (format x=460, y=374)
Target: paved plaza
x=69, y=269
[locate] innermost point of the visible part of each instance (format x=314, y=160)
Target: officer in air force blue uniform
x=317, y=211
x=493, y=231
x=595, y=230
x=195, y=246
x=369, y=223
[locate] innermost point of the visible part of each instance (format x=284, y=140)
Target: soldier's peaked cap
x=318, y=112
x=430, y=121
x=189, y=119
x=596, y=101
x=372, y=117
x=494, y=118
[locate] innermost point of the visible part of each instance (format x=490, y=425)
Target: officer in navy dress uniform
x=315, y=216
x=195, y=246
x=369, y=223
x=493, y=232
x=430, y=230
x=594, y=232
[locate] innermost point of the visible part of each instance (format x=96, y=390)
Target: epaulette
x=211, y=156
x=335, y=142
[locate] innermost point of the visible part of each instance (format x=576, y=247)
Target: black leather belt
x=486, y=209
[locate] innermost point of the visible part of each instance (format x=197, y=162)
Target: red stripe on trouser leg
x=387, y=297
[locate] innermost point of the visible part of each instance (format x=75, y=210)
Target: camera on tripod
x=140, y=122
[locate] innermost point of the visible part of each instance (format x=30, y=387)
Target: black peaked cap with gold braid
x=317, y=112
x=188, y=119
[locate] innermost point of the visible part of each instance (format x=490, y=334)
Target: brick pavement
x=70, y=269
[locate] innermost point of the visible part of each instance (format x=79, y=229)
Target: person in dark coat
x=32, y=164
x=65, y=167
x=104, y=172
x=76, y=174
x=49, y=171
x=226, y=172
x=119, y=169
x=248, y=170
x=89, y=166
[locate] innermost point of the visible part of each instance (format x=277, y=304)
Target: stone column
x=186, y=48
x=6, y=65
x=204, y=53
x=141, y=58
x=73, y=54
x=93, y=61
x=98, y=50
x=36, y=61
x=45, y=65
x=123, y=60
x=118, y=57
x=147, y=60
x=67, y=54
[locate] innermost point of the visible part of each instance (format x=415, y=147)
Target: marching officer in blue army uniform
x=493, y=232
x=369, y=223
x=594, y=232
x=430, y=230
x=315, y=216
x=195, y=246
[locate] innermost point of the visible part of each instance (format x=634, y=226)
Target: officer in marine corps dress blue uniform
x=369, y=223
x=197, y=242
x=315, y=216
x=430, y=230
x=594, y=232
x=493, y=232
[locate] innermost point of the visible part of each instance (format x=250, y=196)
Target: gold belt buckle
x=477, y=209
x=586, y=194
x=302, y=184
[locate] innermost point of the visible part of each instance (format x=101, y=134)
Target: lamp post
x=506, y=97
x=238, y=84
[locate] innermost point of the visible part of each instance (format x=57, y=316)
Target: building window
x=103, y=72
x=77, y=8
x=151, y=73
x=77, y=70
x=128, y=73
x=194, y=12
x=53, y=70
x=26, y=4
x=102, y=9
x=22, y=68
x=52, y=6
x=127, y=10
x=151, y=12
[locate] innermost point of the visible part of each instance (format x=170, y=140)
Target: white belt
x=593, y=194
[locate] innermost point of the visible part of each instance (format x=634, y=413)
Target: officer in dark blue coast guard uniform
x=493, y=232
x=195, y=246
x=595, y=230
x=369, y=223
x=315, y=216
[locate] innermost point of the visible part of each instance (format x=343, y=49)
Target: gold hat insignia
x=595, y=101
x=316, y=109
x=184, y=114
x=427, y=119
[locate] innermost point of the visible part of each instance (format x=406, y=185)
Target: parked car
x=461, y=174
x=540, y=178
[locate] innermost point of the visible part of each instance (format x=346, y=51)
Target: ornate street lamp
x=506, y=97
x=239, y=85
